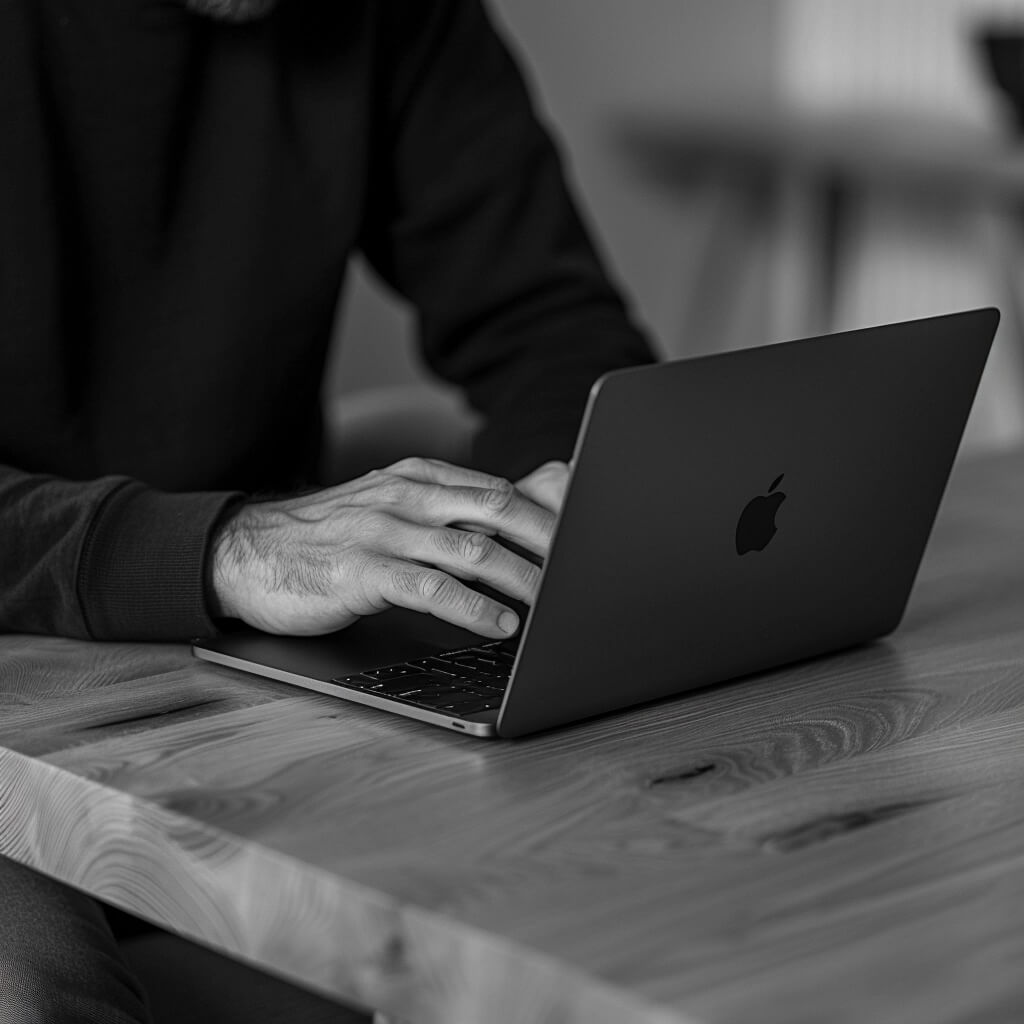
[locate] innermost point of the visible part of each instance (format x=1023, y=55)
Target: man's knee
x=82, y=985
x=59, y=961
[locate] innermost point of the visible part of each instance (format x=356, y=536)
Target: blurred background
x=760, y=170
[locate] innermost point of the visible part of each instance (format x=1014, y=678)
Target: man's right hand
x=403, y=536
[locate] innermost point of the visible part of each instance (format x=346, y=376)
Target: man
x=180, y=189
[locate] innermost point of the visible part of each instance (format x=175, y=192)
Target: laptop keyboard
x=461, y=682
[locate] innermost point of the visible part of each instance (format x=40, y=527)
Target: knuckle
x=407, y=581
x=376, y=523
x=499, y=497
x=447, y=541
x=392, y=490
x=472, y=604
x=468, y=547
x=440, y=589
x=436, y=587
x=531, y=576
x=410, y=464
x=475, y=548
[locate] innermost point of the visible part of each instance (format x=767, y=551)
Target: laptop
x=725, y=515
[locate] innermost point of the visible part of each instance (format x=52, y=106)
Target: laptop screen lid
x=734, y=512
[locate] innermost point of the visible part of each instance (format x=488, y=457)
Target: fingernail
x=508, y=622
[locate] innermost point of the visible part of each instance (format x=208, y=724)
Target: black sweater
x=178, y=200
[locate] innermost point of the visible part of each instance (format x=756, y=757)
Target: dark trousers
x=61, y=963
x=59, y=960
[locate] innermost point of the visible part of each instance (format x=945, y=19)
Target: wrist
x=226, y=566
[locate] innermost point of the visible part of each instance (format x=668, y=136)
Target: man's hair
x=232, y=10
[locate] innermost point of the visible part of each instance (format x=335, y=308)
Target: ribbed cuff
x=141, y=574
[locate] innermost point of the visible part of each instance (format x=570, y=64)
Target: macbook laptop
x=724, y=515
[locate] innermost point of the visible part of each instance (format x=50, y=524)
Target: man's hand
x=403, y=536
x=546, y=485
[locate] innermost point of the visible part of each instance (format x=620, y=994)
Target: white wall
x=911, y=56
x=907, y=255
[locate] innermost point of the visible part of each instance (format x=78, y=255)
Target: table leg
x=807, y=260
x=1002, y=241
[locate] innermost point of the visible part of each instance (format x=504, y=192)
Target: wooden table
x=839, y=841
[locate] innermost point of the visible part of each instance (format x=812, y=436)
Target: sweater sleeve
x=105, y=559
x=470, y=218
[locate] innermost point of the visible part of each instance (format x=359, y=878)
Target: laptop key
x=469, y=707
x=460, y=671
x=451, y=690
x=444, y=700
x=392, y=672
x=478, y=665
x=435, y=665
x=410, y=684
x=483, y=690
x=508, y=648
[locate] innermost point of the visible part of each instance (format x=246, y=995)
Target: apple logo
x=757, y=521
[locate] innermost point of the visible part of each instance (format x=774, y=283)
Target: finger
x=546, y=485
x=471, y=555
x=424, y=589
x=498, y=510
x=431, y=493
x=435, y=471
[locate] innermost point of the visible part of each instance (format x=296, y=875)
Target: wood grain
x=841, y=840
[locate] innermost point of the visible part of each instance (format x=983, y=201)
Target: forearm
x=105, y=559
x=468, y=215
x=535, y=405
